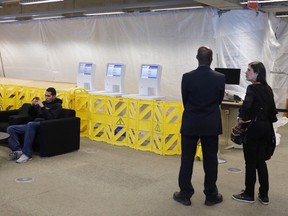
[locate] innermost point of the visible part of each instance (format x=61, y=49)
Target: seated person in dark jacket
x=51, y=108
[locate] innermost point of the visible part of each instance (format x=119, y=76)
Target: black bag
x=238, y=135
x=271, y=144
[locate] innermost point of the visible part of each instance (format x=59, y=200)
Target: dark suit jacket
x=202, y=93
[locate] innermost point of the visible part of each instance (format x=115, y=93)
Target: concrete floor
x=105, y=180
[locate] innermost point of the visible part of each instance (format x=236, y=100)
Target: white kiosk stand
x=114, y=80
x=149, y=83
x=86, y=76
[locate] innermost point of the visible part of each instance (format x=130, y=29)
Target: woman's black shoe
x=242, y=197
x=264, y=200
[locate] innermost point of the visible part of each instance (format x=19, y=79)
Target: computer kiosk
x=231, y=102
x=149, y=83
x=114, y=80
x=86, y=76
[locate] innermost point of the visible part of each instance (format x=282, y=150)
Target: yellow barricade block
x=66, y=98
x=199, y=154
x=9, y=96
x=97, y=130
x=143, y=140
x=97, y=104
x=166, y=144
x=32, y=92
x=73, y=92
x=117, y=121
x=166, y=128
x=97, y=117
x=82, y=102
x=84, y=122
x=82, y=111
x=116, y=135
x=131, y=138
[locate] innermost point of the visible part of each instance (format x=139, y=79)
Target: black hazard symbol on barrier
x=157, y=128
x=120, y=122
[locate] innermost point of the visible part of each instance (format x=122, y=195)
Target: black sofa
x=54, y=137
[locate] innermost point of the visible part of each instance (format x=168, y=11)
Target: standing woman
x=258, y=111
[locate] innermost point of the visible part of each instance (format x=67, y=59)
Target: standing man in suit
x=202, y=93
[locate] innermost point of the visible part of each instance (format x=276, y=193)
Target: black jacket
x=50, y=110
x=259, y=102
x=202, y=93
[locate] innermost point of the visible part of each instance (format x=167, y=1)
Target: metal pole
x=2, y=64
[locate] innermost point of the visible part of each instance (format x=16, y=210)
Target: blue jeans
x=29, y=131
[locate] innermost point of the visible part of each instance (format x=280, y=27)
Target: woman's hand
x=240, y=121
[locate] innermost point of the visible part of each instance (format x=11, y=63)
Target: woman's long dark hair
x=260, y=70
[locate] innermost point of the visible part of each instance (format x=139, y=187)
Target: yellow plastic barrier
x=166, y=127
x=98, y=114
x=199, y=154
x=9, y=97
x=140, y=124
x=82, y=111
x=117, y=121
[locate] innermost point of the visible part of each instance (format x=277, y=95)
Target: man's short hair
x=204, y=55
x=52, y=90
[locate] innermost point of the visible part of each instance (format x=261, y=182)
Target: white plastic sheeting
x=51, y=50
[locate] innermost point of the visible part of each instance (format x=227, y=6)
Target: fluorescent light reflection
x=47, y=17
x=7, y=21
x=29, y=2
x=177, y=8
x=104, y=13
x=263, y=2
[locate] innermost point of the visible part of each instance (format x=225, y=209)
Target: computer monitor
x=114, y=80
x=232, y=75
x=86, y=75
x=150, y=76
x=149, y=71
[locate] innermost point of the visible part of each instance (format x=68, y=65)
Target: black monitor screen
x=232, y=75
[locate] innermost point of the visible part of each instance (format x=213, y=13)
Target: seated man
x=51, y=108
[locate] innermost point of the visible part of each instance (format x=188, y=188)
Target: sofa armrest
x=19, y=119
x=5, y=114
x=58, y=136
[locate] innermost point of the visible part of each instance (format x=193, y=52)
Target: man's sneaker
x=242, y=197
x=23, y=158
x=15, y=155
x=263, y=200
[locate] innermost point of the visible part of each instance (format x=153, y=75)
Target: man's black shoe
x=218, y=199
x=183, y=200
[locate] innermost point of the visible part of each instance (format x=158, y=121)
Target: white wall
x=50, y=50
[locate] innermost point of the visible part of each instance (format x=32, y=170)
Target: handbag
x=271, y=144
x=238, y=135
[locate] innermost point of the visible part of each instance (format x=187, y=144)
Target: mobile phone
x=37, y=98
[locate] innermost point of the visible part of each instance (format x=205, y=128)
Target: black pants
x=254, y=153
x=209, y=146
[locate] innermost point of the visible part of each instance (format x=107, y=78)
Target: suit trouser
x=209, y=146
x=254, y=154
x=29, y=131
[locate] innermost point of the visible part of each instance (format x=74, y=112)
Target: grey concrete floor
x=105, y=180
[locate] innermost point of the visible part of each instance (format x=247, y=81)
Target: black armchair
x=54, y=137
x=12, y=117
